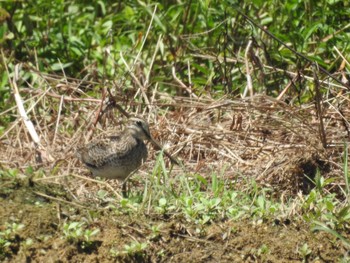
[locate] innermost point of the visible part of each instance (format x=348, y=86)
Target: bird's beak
x=159, y=147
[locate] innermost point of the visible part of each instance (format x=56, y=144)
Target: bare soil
x=177, y=240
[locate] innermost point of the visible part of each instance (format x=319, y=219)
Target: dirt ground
x=176, y=240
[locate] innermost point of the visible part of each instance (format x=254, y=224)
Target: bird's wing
x=98, y=152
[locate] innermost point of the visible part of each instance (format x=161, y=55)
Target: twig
x=190, y=36
x=145, y=37
x=231, y=60
x=335, y=33
x=113, y=103
x=160, y=38
x=56, y=96
x=194, y=239
x=249, y=78
x=58, y=119
x=290, y=83
x=99, y=112
x=341, y=55
x=39, y=149
x=141, y=88
x=151, y=107
x=130, y=69
x=22, y=112
x=182, y=85
x=318, y=100
x=99, y=182
x=190, y=78
x=59, y=200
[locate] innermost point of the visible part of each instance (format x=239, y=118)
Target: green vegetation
x=134, y=248
x=146, y=54
x=90, y=41
x=75, y=232
x=8, y=235
x=304, y=251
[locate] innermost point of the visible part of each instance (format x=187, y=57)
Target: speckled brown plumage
x=117, y=156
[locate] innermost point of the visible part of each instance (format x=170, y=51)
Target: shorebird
x=119, y=155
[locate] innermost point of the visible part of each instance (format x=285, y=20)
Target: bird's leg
x=124, y=189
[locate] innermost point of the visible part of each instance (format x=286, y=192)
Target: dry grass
x=259, y=137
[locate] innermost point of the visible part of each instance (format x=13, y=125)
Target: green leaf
x=309, y=31
x=322, y=227
x=60, y=66
x=162, y=202
x=103, y=7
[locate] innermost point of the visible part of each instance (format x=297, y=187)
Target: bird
x=119, y=155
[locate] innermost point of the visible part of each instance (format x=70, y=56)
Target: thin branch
x=182, y=85
x=319, y=110
x=58, y=119
x=249, y=78
x=22, y=112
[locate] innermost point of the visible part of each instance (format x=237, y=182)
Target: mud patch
x=139, y=238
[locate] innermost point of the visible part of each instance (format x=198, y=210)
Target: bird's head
x=139, y=128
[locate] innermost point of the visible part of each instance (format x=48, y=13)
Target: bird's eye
x=139, y=123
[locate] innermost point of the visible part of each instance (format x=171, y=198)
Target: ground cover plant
x=253, y=98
